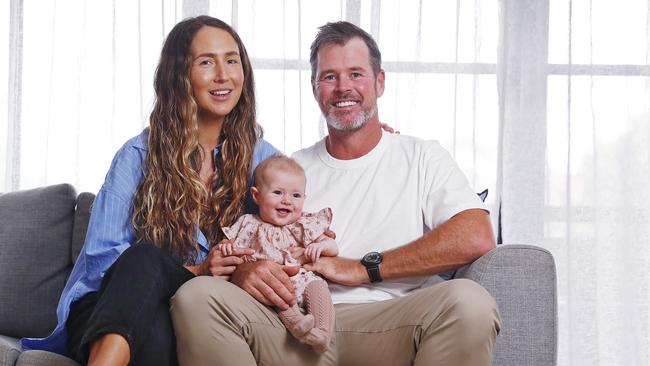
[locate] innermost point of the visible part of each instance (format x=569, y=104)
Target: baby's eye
x=297, y=195
x=277, y=193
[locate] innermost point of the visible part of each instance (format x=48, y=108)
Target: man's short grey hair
x=340, y=33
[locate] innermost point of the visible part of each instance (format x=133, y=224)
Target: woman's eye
x=232, y=61
x=205, y=62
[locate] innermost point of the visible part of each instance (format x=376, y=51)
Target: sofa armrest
x=522, y=280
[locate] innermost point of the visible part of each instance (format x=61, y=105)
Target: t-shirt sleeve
x=446, y=189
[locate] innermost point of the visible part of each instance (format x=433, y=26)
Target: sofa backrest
x=36, y=229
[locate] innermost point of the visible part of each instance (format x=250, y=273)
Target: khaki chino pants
x=452, y=323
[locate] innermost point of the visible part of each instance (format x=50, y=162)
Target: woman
x=157, y=218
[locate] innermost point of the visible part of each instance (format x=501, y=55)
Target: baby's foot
x=318, y=339
x=301, y=326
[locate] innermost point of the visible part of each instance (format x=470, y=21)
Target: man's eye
x=329, y=77
x=356, y=75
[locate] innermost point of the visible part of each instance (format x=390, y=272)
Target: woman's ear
x=255, y=194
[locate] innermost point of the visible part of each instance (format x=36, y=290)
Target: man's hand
x=386, y=127
x=349, y=272
x=267, y=281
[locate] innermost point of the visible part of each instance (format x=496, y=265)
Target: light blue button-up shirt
x=110, y=231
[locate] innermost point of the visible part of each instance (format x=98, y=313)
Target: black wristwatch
x=371, y=261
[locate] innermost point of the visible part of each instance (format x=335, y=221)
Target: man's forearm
x=460, y=240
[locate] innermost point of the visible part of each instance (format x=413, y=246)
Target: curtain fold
x=10, y=154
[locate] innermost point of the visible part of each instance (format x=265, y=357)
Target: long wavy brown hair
x=171, y=200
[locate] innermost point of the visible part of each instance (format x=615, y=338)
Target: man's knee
x=199, y=291
x=470, y=309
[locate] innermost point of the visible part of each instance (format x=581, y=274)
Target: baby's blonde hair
x=279, y=162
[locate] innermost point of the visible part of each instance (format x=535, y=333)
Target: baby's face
x=281, y=197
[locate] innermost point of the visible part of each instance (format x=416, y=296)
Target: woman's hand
x=219, y=265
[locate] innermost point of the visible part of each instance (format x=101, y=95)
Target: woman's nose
x=220, y=74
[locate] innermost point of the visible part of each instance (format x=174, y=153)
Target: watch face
x=373, y=258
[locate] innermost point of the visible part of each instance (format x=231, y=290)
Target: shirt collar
x=143, y=140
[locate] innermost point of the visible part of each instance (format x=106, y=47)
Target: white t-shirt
x=387, y=198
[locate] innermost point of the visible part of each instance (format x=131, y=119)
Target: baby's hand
x=225, y=248
x=313, y=251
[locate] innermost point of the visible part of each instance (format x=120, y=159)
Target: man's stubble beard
x=359, y=122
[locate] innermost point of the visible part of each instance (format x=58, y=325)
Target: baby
x=279, y=191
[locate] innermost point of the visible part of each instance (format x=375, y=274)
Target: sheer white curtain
x=575, y=163
x=80, y=84
x=84, y=72
x=544, y=102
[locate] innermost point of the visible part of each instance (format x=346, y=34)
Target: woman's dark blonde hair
x=172, y=200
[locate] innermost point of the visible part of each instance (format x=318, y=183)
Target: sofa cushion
x=35, y=236
x=44, y=358
x=9, y=351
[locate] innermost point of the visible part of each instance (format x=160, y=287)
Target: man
x=403, y=212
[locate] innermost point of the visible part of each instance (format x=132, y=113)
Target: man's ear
x=313, y=88
x=255, y=194
x=379, y=82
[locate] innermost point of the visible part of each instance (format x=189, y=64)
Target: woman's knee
x=142, y=256
x=141, y=251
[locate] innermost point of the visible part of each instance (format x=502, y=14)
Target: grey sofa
x=42, y=231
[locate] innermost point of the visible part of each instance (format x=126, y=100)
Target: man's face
x=346, y=88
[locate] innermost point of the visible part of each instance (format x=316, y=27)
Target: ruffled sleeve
x=244, y=232
x=232, y=231
x=310, y=226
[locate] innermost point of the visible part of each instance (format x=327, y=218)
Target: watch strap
x=373, y=273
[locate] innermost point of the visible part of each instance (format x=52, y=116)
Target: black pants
x=133, y=301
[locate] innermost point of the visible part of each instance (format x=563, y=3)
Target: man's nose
x=343, y=84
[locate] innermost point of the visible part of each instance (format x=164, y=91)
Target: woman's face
x=216, y=74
